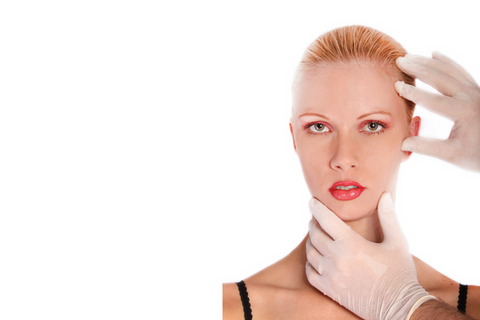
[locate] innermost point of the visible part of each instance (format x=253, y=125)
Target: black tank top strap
x=247, y=310
x=462, y=298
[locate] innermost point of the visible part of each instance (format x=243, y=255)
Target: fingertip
x=406, y=145
x=437, y=54
x=399, y=60
x=312, y=201
x=399, y=86
x=386, y=202
x=393, y=235
x=386, y=210
x=414, y=57
x=316, y=205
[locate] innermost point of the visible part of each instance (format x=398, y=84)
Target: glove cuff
x=418, y=303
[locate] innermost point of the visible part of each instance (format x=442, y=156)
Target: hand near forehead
x=459, y=101
x=373, y=280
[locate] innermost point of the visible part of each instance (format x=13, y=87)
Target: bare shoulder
x=473, y=302
x=264, y=290
x=232, y=304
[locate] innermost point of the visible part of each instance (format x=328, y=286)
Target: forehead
x=355, y=90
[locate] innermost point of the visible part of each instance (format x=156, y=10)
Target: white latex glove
x=460, y=103
x=373, y=280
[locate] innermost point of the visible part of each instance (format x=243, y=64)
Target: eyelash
x=384, y=126
x=308, y=125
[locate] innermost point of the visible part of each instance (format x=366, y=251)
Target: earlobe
x=293, y=137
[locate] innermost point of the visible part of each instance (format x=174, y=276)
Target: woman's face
x=348, y=126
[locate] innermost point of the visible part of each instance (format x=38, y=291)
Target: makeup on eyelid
x=366, y=119
x=327, y=128
x=310, y=124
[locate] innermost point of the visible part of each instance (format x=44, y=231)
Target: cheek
x=314, y=160
x=378, y=160
x=381, y=164
x=378, y=157
x=381, y=153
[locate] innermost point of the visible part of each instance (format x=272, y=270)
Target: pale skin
x=347, y=124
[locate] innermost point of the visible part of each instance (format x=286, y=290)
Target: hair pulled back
x=356, y=45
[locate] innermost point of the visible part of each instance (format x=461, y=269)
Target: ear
x=293, y=137
x=414, y=130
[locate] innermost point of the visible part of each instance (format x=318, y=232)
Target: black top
x=247, y=310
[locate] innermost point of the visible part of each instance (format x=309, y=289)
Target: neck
x=368, y=227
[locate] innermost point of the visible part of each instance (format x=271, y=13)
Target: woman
x=347, y=125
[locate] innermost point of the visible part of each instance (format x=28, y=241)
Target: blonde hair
x=355, y=45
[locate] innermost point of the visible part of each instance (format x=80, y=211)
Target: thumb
x=441, y=149
x=391, y=228
x=330, y=223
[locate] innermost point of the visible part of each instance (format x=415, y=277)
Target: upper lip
x=346, y=184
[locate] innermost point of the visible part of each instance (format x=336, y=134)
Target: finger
x=440, y=56
x=314, y=257
x=329, y=222
x=312, y=274
x=319, y=239
x=443, y=105
x=391, y=228
x=445, y=67
x=441, y=149
x=441, y=81
x=316, y=279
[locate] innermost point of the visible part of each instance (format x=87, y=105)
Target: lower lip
x=345, y=195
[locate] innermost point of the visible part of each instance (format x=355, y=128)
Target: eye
x=373, y=126
x=318, y=127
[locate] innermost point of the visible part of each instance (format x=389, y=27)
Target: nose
x=345, y=155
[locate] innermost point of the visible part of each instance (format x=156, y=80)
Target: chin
x=352, y=216
x=353, y=209
x=347, y=214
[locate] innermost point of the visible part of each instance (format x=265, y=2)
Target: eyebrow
x=367, y=114
x=361, y=117
x=314, y=114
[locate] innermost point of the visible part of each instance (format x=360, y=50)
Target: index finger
x=448, y=68
x=333, y=225
x=441, y=81
x=443, y=105
x=439, y=56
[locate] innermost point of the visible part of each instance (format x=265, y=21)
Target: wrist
x=439, y=310
x=417, y=304
x=407, y=298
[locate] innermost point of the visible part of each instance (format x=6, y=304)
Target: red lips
x=345, y=195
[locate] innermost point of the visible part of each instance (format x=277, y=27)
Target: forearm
x=439, y=310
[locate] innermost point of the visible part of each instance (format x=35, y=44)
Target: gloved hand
x=460, y=103
x=373, y=280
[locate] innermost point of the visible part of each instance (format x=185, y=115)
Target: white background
x=145, y=155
